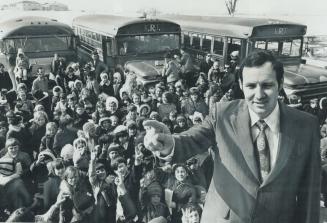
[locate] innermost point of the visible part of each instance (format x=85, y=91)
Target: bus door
x=109, y=52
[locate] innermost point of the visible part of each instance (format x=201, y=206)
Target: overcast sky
x=205, y=7
x=201, y=7
x=312, y=13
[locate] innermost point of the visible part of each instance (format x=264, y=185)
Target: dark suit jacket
x=291, y=192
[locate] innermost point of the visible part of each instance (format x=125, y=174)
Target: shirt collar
x=272, y=120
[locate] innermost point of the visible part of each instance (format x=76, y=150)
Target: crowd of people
x=72, y=145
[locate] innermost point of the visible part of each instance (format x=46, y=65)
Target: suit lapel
x=240, y=121
x=286, y=142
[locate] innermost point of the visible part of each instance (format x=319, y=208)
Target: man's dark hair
x=258, y=58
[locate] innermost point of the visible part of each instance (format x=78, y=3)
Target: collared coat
x=290, y=193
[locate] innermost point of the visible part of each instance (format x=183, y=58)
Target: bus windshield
x=282, y=48
x=142, y=44
x=37, y=44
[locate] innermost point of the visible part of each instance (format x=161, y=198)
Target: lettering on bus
x=280, y=31
x=151, y=28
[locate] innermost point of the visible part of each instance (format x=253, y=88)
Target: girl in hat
x=105, y=85
x=48, y=139
x=38, y=130
x=183, y=191
x=27, y=104
x=104, y=191
x=151, y=196
x=56, y=170
x=181, y=124
x=167, y=105
x=104, y=127
x=22, y=65
x=100, y=111
x=76, y=192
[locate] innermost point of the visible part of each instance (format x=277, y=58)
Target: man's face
x=41, y=73
x=260, y=89
x=13, y=150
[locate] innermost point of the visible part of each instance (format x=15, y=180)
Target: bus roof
x=112, y=25
x=239, y=27
x=33, y=25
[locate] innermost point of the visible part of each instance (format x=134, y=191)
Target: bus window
x=218, y=47
x=109, y=47
x=260, y=45
x=206, y=44
x=281, y=48
x=291, y=48
x=187, y=40
x=234, y=45
x=195, y=42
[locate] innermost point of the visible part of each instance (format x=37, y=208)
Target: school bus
x=137, y=45
x=221, y=36
x=39, y=38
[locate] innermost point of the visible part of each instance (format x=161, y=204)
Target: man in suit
x=266, y=161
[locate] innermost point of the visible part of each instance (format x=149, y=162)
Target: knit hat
x=103, y=74
x=145, y=106
x=323, y=103
x=131, y=124
x=99, y=165
x=110, y=100
x=114, y=147
x=294, y=101
x=78, y=82
x=154, y=189
x=194, y=90
x=120, y=129
x=180, y=118
x=197, y=116
x=49, y=156
x=103, y=120
x=57, y=90
x=67, y=151
x=89, y=128
x=154, y=115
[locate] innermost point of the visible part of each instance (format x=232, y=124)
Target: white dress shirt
x=272, y=131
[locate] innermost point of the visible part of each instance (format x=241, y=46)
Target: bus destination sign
x=151, y=28
x=278, y=31
x=148, y=28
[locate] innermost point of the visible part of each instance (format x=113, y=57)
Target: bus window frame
x=280, y=49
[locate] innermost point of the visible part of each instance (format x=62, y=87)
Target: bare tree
x=231, y=6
